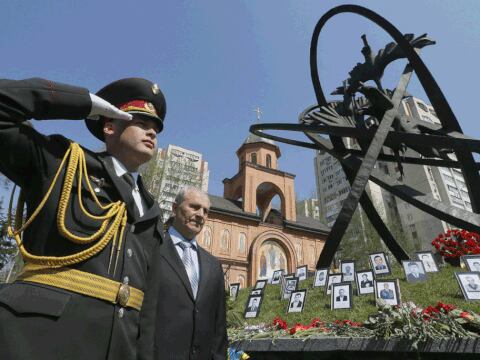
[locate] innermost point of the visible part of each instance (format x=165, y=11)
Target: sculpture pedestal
x=342, y=348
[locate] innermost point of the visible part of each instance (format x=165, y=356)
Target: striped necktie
x=189, y=265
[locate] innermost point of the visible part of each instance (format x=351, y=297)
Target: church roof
x=252, y=138
x=234, y=208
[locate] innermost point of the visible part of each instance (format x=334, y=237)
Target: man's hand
x=101, y=107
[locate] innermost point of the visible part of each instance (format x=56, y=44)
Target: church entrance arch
x=270, y=251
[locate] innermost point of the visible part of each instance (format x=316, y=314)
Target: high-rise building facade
x=443, y=184
x=172, y=168
x=309, y=208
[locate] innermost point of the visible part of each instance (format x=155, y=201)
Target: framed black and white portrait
x=348, y=270
x=276, y=276
x=297, y=301
x=341, y=296
x=290, y=285
x=387, y=291
x=414, y=271
x=320, y=278
x=332, y=279
x=256, y=292
x=252, y=309
x=261, y=284
x=428, y=260
x=234, y=290
x=365, y=281
x=470, y=284
x=301, y=272
x=472, y=262
x=379, y=263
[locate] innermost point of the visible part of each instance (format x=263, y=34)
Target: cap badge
x=155, y=89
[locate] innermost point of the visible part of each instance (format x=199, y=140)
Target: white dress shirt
x=177, y=238
x=120, y=170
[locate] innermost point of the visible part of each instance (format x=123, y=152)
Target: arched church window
x=298, y=250
x=242, y=243
x=254, y=158
x=269, y=161
x=207, y=237
x=312, y=254
x=241, y=280
x=225, y=241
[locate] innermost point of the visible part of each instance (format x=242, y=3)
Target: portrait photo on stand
x=469, y=283
x=388, y=291
x=348, y=270
x=341, y=296
x=471, y=262
x=301, y=272
x=333, y=278
x=379, y=263
x=297, y=301
x=414, y=271
x=234, y=290
x=277, y=277
x=428, y=260
x=365, y=279
x=290, y=285
x=252, y=308
x=320, y=278
x=260, y=284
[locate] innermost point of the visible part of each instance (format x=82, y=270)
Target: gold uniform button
x=129, y=253
x=121, y=312
x=126, y=280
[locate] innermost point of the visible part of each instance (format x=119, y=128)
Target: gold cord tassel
x=113, y=221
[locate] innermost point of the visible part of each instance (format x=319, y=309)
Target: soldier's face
x=134, y=142
x=191, y=214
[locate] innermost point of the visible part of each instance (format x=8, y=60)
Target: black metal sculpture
x=375, y=122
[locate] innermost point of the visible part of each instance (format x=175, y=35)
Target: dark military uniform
x=38, y=321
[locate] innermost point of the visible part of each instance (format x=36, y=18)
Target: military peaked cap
x=132, y=95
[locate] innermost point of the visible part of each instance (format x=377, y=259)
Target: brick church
x=246, y=233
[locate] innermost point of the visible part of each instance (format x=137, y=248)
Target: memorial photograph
x=253, y=306
x=348, y=270
x=291, y=284
x=341, y=296
x=387, y=291
x=320, y=278
x=428, y=260
x=469, y=283
x=234, y=290
x=276, y=277
x=379, y=263
x=301, y=272
x=332, y=279
x=472, y=262
x=414, y=271
x=260, y=284
x=365, y=280
x=297, y=301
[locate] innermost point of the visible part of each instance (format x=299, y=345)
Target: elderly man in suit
x=91, y=229
x=186, y=308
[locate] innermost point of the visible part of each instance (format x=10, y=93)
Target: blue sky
x=217, y=60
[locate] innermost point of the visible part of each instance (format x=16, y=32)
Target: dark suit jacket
x=341, y=298
x=175, y=325
x=39, y=321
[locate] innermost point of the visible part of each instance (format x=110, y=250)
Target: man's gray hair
x=186, y=189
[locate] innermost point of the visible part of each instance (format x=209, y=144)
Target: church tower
x=258, y=181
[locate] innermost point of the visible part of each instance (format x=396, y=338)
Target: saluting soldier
x=90, y=225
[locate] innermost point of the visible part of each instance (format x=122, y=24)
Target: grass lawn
x=440, y=287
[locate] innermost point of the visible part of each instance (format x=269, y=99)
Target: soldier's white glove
x=101, y=107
